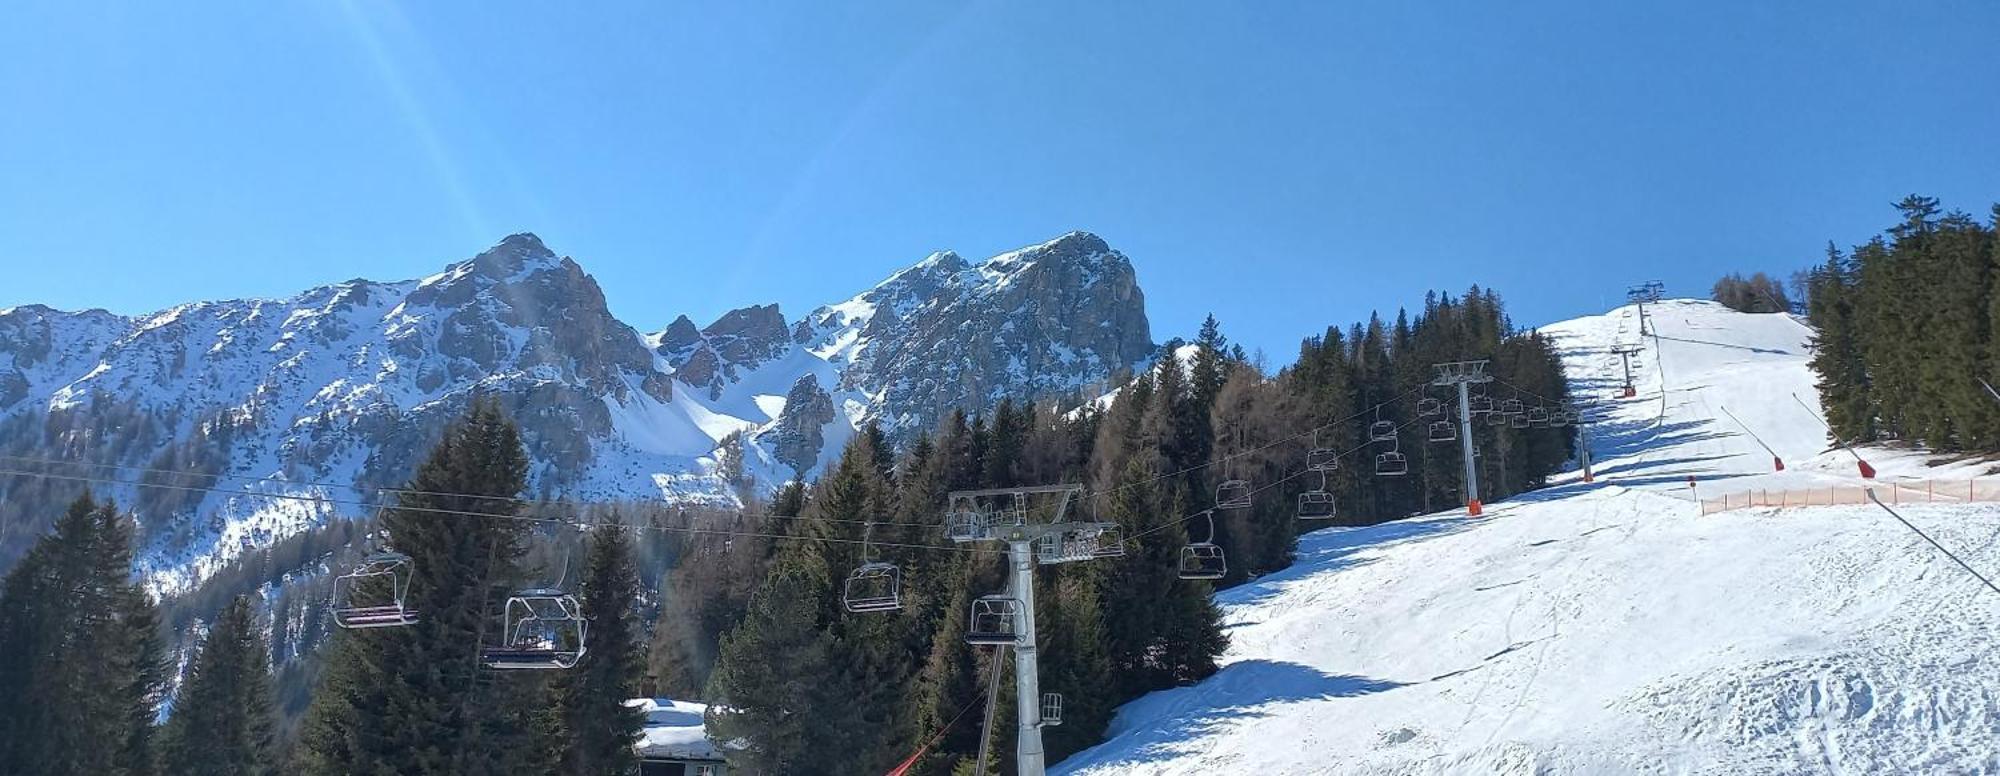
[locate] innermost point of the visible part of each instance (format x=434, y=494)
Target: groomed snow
x=1609, y=627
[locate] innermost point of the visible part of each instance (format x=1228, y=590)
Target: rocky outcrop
x=799, y=436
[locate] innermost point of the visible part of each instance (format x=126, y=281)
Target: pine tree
x=415, y=699
x=84, y=671
x=601, y=727
x=222, y=723
x=791, y=720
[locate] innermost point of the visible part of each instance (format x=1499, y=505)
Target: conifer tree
x=222, y=723
x=792, y=720
x=601, y=727
x=83, y=670
x=415, y=699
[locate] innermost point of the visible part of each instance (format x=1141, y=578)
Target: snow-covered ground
x=1609, y=627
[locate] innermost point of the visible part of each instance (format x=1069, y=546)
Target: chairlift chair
x=1427, y=407
x=965, y=525
x=1518, y=421
x=1479, y=404
x=1316, y=505
x=1538, y=415
x=1559, y=418
x=1391, y=464
x=1233, y=494
x=1443, y=431
x=544, y=628
x=995, y=620
x=1110, y=541
x=1496, y=419
x=359, y=600
x=1204, y=559
x=1052, y=707
x=1066, y=546
x=1512, y=407
x=1382, y=431
x=874, y=587
x=1323, y=459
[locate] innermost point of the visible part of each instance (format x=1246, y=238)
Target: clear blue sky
x=1284, y=166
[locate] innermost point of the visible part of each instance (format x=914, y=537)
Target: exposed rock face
x=1042, y=321
x=350, y=383
x=799, y=435
x=718, y=355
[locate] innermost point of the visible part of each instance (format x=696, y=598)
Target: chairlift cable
x=517, y=518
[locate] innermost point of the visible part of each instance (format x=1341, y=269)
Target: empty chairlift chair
x=1233, y=494
x=375, y=594
x=544, y=628
x=1512, y=407
x=1051, y=709
x=1110, y=541
x=1382, y=431
x=1443, y=431
x=876, y=586
x=1538, y=416
x=995, y=621
x=1479, y=404
x=1391, y=464
x=1518, y=421
x=1316, y=504
x=964, y=524
x=1428, y=407
x=1322, y=459
x=1204, y=559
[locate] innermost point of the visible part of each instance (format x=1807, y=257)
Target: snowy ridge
x=1608, y=627
x=338, y=389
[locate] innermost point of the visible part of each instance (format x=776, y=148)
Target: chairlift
x=1479, y=404
x=1110, y=541
x=1559, y=418
x=1518, y=421
x=1391, y=464
x=1052, y=707
x=361, y=600
x=877, y=586
x=1512, y=407
x=965, y=525
x=543, y=628
x=1443, y=431
x=995, y=621
x=1066, y=546
x=1382, y=431
x=1233, y=494
x=1427, y=407
x=1496, y=419
x=1316, y=504
x=1204, y=559
x=1538, y=416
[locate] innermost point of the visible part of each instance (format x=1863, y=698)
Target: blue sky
x=1284, y=166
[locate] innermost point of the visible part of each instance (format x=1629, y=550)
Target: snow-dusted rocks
x=340, y=388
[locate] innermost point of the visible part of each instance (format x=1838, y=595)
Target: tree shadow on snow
x=1244, y=690
x=1333, y=549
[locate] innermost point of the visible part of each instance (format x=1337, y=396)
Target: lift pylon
x=1013, y=522
x=1463, y=375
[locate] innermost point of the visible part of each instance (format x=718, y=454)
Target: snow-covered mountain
x=1610, y=627
x=341, y=388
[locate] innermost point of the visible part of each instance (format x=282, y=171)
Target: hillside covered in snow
x=328, y=395
x=1611, y=627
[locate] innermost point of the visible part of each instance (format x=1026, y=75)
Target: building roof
x=675, y=731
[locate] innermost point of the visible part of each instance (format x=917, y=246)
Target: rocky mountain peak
x=748, y=334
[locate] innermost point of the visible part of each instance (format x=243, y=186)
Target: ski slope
x=1608, y=627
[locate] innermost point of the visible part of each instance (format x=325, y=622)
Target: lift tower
x=1463, y=374
x=1644, y=294
x=1625, y=356
x=1005, y=515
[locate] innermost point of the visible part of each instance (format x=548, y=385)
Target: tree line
x=1905, y=326
x=865, y=692
x=742, y=609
